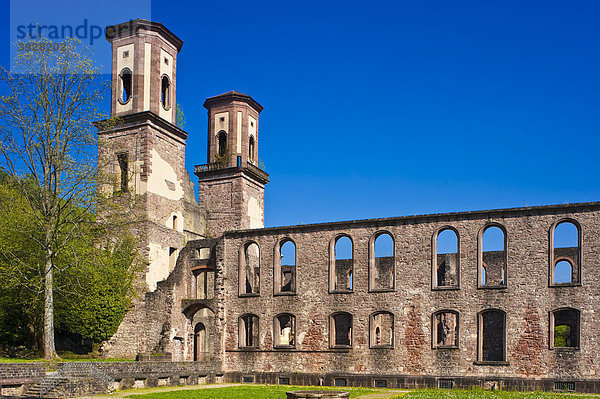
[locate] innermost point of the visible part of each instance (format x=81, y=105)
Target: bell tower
x=144, y=61
x=232, y=185
x=140, y=149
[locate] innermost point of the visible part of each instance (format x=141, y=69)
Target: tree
x=92, y=291
x=48, y=147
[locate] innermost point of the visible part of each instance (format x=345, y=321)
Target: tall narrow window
x=172, y=258
x=492, y=257
x=205, y=283
x=249, y=269
x=200, y=343
x=285, y=267
x=175, y=222
x=381, y=330
x=564, y=328
x=445, y=329
x=492, y=336
x=125, y=85
x=285, y=331
x=565, y=253
x=165, y=92
x=341, y=264
x=340, y=330
x=445, y=259
x=123, y=162
x=248, y=331
x=251, y=149
x=381, y=262
x=222, y=144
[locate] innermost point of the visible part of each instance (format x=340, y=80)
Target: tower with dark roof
x=231, y=184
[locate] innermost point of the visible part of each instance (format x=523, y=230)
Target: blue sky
x=379, y=109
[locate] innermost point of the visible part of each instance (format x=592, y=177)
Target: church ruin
x=497, y=297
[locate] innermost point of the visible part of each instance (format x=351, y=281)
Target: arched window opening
x=342, y=267
x=248, y=331
x=249, y=269
x=165, y=89
x=492, y=336
x=251, y=149
x=285, y=331
x=445, y=329
x=381, y=330
x=563, y=272
x=175, y=222
x=222, y=144
x=125, y=85
x=200, y=343
x=566, y=253
x=381, y=262
x=492, y=257
x=564, y=328
x=445, y=259
x=287, y=267
x=340, y=330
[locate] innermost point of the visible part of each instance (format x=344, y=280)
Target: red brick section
x=414, y=339
x=529, y=348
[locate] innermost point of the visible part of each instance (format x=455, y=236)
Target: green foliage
x=179, y=116
x=261, y=164
x=248, y=391
x=562, y=336
x=93, y=289
x=102, y=291
x=223, y=156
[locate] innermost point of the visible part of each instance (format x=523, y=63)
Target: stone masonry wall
x=526, y=300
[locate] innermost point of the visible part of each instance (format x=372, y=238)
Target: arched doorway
x=200, y=343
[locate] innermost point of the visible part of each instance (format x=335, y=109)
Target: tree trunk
x=49, y=350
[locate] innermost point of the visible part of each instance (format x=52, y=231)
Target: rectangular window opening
x=567, y=386
x=380, y=383
x=445, y=383
x=339, y=382
x=284, y=380
x=248, y=379
x=122, y=160
x=172, y=258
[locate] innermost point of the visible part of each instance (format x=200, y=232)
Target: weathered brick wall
x=225, y=196
x=527, y=298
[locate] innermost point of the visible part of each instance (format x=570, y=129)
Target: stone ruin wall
x=527, y=299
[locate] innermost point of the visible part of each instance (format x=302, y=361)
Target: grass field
x=245, y=391
x=278, y=392
x=63, y=359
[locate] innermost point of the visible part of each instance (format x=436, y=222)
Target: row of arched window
x=222, y=147
x=492, y=260
x=491, y=335
x=125, y=90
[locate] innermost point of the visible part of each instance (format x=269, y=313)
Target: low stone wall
x=413, y=382
x=153, y=374
x=86, y=377
x=17, y=377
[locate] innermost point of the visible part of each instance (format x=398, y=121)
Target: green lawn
x=63, y=359
x=278, y=392
x=245, y=391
